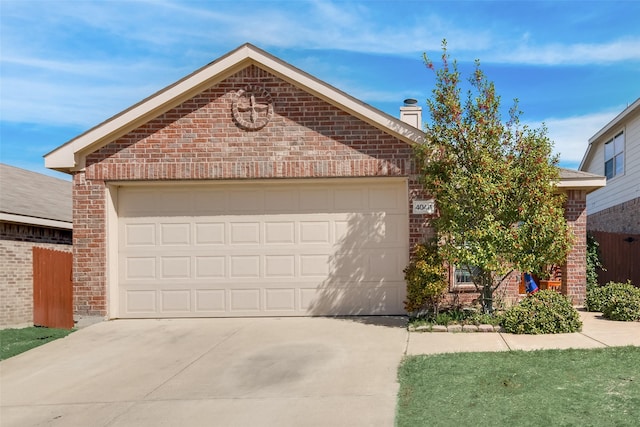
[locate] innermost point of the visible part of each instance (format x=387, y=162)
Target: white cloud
x=571, y=134
x=627, y=49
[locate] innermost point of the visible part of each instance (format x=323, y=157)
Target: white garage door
x=326, y=248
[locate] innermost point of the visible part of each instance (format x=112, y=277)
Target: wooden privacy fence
x=620, y=255
x=52, y=288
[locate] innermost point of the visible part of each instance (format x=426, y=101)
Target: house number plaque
x=427, y=207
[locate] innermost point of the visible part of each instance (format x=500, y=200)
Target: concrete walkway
x=596, y=332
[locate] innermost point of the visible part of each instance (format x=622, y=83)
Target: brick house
x=251, y=188
x=35, y=210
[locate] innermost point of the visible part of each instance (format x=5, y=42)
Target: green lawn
x=16, y=341
x=599, y=387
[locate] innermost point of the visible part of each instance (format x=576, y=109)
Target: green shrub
x=621, y=301
x=545, y=312
x=599, y=297
x=426, y=279
x=596, y=298
x=482, y=319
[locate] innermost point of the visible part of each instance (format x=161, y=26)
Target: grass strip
x=596, y=387
x=16, y=341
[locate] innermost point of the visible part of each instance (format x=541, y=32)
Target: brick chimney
x=411, y=113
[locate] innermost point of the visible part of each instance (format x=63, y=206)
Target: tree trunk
x=487, y=299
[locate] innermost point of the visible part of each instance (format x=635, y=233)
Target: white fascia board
x=616, y=120
x=589, y=184
x=70, y=156
x=41, y=222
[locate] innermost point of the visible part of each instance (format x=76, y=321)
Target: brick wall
x=621, y=218
x=16, y=268
x=199, y=140
x=574, y=279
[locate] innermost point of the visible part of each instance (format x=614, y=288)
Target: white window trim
x=622, y=152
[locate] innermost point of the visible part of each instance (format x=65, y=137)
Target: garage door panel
x=209, y=233
x=175, y=234
x=175, y=267
x=241, y=233
x=309, y=249
x=244, y=300
x=210, y=301
x=208, y=267
x=243, y=266
x=140, y=234
x=280, y=266
x=314, y=265
x=315, y=232
x=173, y=301
x=140, y=301
x=279, y=232
x=280, y=299
x=136, y=268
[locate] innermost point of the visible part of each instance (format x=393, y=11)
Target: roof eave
x=40, y=222
x=587, y=184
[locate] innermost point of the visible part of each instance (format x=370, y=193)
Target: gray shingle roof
x=575, y=174
x=32, y=194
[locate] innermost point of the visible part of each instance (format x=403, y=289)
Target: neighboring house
x=614, y=211
x=35, y=210
x=251, y=188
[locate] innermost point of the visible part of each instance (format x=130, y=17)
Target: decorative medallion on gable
x=252, y=107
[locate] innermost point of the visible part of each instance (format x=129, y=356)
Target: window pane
x=463, y=274
x=608, y=150
x=620, y=164
x=608, y=168
x=619, y=144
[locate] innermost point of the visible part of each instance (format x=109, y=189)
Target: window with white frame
x=614, y=156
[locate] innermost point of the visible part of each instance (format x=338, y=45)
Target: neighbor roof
x=630, y=109
x=32, y=198
x=71, y=156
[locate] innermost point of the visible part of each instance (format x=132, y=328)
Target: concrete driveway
x=210, y=372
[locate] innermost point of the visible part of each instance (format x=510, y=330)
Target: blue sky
x=66, y=66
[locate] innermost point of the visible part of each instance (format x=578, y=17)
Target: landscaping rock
x=469, y=328
x=454, y=328
x=423, y=328
x=438, y=328
x=485, y=328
